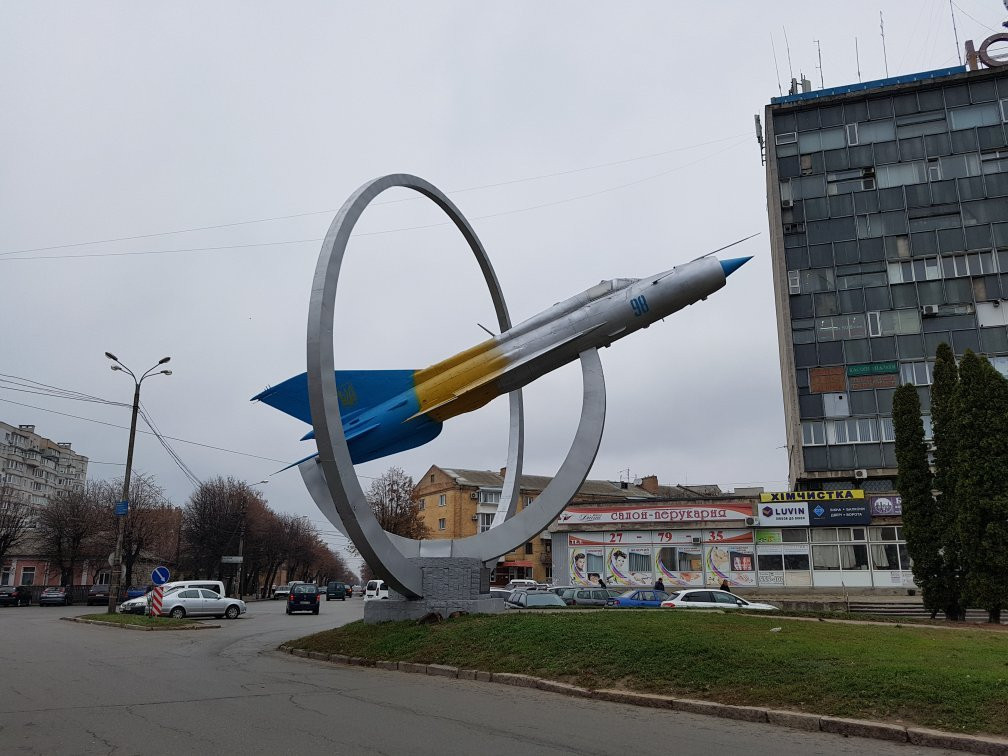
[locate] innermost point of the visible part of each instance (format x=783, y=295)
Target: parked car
x=376, y=589
x=97, y=594
x=303, y=597
x=56, y=596
x=195, y=602
x=336, y=590
x=523, y=599
x=521, y=584
x=15, y=595
x=136, y=591
x=587, y=597
x=642, y=597
x=500, y=593
x=139, y=604
x=281, y=591
x=709, y=599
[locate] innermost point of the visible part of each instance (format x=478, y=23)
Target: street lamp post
x=116, y=577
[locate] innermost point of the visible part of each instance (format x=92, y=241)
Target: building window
x=813, y=433
x=794, y=281
x=27, y=576
x=104, y=578
x=489, y=497
x=528, y=547
x=528, y=501
x=5, y=574
x=422, y=504
x=917, y=373
x=485, y=521
x=432, y=478
x=887, y=429
x=852, y=430
x=442, y=500
x=441, y=524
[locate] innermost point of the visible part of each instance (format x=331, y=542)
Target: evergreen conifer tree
x=982, y=484
x=920, y=514
x=944, y=419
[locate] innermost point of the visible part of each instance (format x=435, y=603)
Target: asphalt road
x=69, y=688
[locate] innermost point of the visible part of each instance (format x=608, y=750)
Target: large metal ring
x=331, y=478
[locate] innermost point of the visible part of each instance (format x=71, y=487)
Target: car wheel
x=232, y=612
x=177, y=613
x=343, y=599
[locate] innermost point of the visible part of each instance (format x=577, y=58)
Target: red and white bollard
x=156, y=601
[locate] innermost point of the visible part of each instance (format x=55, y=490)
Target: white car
x=701, y=598
x=376, y=589
x=194, y=602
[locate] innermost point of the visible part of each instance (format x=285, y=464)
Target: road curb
x=143, y=628
x=796, y=720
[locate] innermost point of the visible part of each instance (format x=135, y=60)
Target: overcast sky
x=584, y=141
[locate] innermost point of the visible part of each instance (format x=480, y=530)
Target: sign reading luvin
x=783, y=497
x=791, y=514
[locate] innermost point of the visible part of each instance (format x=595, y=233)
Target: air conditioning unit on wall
x=475, y=518
x=861, y=474
x=474, y=495
x=929, y=310
x=751, y=521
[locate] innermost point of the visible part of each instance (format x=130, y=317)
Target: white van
x=376, y=589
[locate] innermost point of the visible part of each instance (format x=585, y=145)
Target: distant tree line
x=955, y=506
x=221, y=514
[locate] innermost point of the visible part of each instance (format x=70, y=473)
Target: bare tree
x=74, y=526
x=15, y=518
x=150, y=526
x=397, y=509
x=211, y=523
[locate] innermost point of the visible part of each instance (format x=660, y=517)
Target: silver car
x=196, y=602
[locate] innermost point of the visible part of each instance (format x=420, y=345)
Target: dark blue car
x=641, y=597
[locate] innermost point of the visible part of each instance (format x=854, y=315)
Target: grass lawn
x=950, y=680
x=138, y=619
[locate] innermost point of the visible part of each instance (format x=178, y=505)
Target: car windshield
x=305, y=589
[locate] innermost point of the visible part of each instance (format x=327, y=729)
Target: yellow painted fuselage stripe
x=439, y=383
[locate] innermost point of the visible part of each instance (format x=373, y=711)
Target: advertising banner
x=684, y=537
x=886, y=506
x=834, y=513
x=586, y=561
x=728, y=536
x=629, y=566
x=785, y=497
x=769, y=536
x=735, y=563
x=628, y=537
x=828, y=380
x=794, y=514
x=873, y=368
x=679, y=566
x=659, y=513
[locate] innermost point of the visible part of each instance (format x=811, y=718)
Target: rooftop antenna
x=774, y=50
x=882, y=28
x=857, y=57
x=822, y=81
x=787, y=46
x=955, y=31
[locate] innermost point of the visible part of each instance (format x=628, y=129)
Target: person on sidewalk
x=725, y=586
x=659, y=585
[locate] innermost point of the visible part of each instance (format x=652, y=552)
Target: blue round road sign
x=160, y=575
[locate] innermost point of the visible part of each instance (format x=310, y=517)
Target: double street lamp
x=116, y=576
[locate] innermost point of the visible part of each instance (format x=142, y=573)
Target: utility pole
x=241, y=546
x=116, y=577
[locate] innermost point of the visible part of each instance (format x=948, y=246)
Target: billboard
x=792, y=513
x=886, y=506
x=658, y=513
x=839, y=513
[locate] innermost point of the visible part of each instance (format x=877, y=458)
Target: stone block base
x=394, y=610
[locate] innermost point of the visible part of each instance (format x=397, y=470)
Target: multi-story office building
x=35, y=467
x=888, y=206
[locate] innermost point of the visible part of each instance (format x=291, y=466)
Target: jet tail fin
x=359, y=390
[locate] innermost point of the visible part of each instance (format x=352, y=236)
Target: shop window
x=770, y=562
x=27, y=576
x=794, y=535
x=796, y=562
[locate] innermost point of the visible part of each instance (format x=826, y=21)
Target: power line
x=397, y=230
x=960, y=9
x=385, y=202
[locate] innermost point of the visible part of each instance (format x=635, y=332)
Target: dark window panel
x=991, y=137
x=910, y=346
x=889, y=455
x=810, y=407
x=841, y=457
x=1001, y=239
x=862, y=402
x=883, y=348
x=794, y=240
x=877, y=298
x=897, y=247
x=812, y=163
x=886, y=152
x=801, y=378
x=924, y=393
x=808, y=120
x=955, y=322
x=788, y=167
x=868, y=455
x=880, y=107
x=930, y=293
x=993, y=287
x=842, y=204
x=930, y=99
x=815, y=458
x=963, y=340
x=784, y=122
x=911, y=149
x=836, y=160
x=852, y=300
x=866, y=202
x=871, y=250
x=994, y=340
x=904, y=295
x=831, y=353
x=801, y=306
x=855, y=111
x=821, y=255
x=884, y=398
x=861, y=156
x=964, y=140
x=918, y=195
x=924, y=243
x=943, y=192
x=891, y=198
x=903, y=104
x=797, y=258
x=846, y=252
x=937, y=144
x=971, y=188
x=951, y=240
x=983, y=91
x=856, y=351
x=957, y=95
x=832, y=116
x=997, y=184
x=826, y=304
x=932, y=340
x=806, y=355
x=816, y=209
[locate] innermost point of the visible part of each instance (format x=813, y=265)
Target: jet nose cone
x=730, y=266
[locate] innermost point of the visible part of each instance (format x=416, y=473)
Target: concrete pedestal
x=450, y=584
